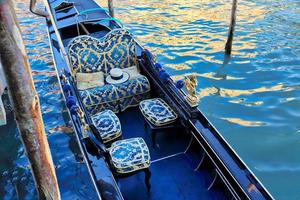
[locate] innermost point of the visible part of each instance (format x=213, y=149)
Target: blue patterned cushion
x=129, y=155
x=133, y=101
x=112, y=94
x=98, y=95
x=138, y=85
x=108, y=125
x=157, y=111
x=84, y=54
x=89, y=54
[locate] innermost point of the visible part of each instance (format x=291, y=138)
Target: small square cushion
x=157, y=112
x=89, y=80
x=129, y=155
x=132, y=71
x=108, y=125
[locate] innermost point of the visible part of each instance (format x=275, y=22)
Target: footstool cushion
x=108, y=125
x=157, y=112
x=129, y=155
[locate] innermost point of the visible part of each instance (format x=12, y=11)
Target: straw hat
x=116, y=75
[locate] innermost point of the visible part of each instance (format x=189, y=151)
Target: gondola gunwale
x=227, y=150
x=76, y=130
x=205, y=123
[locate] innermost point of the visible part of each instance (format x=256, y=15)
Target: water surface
x=253, y=100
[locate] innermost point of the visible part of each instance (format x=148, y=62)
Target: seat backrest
x=115, y=50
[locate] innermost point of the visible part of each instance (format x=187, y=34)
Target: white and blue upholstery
x=113, y=94
x=157, y=112
x=129, y=155
x=115, y=50
x=108, y=125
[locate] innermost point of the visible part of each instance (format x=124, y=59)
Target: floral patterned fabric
x=157, y=111
x=116, y=49
x=117, y=97
x=129, y=155
x=131, y=92
x=108, y=125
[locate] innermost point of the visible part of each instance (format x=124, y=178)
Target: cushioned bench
x=129, y=155
x=157, y=112
x=116, y=50
x=158, y=116
x=108, y=125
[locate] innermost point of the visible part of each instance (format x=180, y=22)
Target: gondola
x=139, y=132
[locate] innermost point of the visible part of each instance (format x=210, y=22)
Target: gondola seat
x=158, y=116
x=125, y=157
x=116, y=97
x=157, y=112
x=108, y=125
x=129, y=155
x=115, y=50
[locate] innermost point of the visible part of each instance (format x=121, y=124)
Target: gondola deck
x=173, y=169
x=192, y=161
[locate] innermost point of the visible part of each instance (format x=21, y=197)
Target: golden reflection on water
x=242, y=122
x=160, y=16
x=210, y=75
x=179, y=67
x=242, y=101
x=187, y=10
x=235, y=93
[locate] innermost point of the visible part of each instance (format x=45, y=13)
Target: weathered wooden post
x=228, y=45
x=2, y=87
x=111, y=8
x=26, y=102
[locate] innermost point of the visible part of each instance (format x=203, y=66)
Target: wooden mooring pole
x=111, y=8
x=228, y=45
x=26, y=102
x=2, y=88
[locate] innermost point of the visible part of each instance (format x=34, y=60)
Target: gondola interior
x=131, y=119
x=173, y=167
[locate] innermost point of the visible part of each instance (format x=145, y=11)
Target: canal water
x=253, y=99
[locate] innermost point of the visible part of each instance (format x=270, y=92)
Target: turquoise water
x=253, y=100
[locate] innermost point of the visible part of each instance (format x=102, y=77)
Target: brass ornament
x=191, y=85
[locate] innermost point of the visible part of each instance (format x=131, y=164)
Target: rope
x=92, y=10
x=111, y=19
